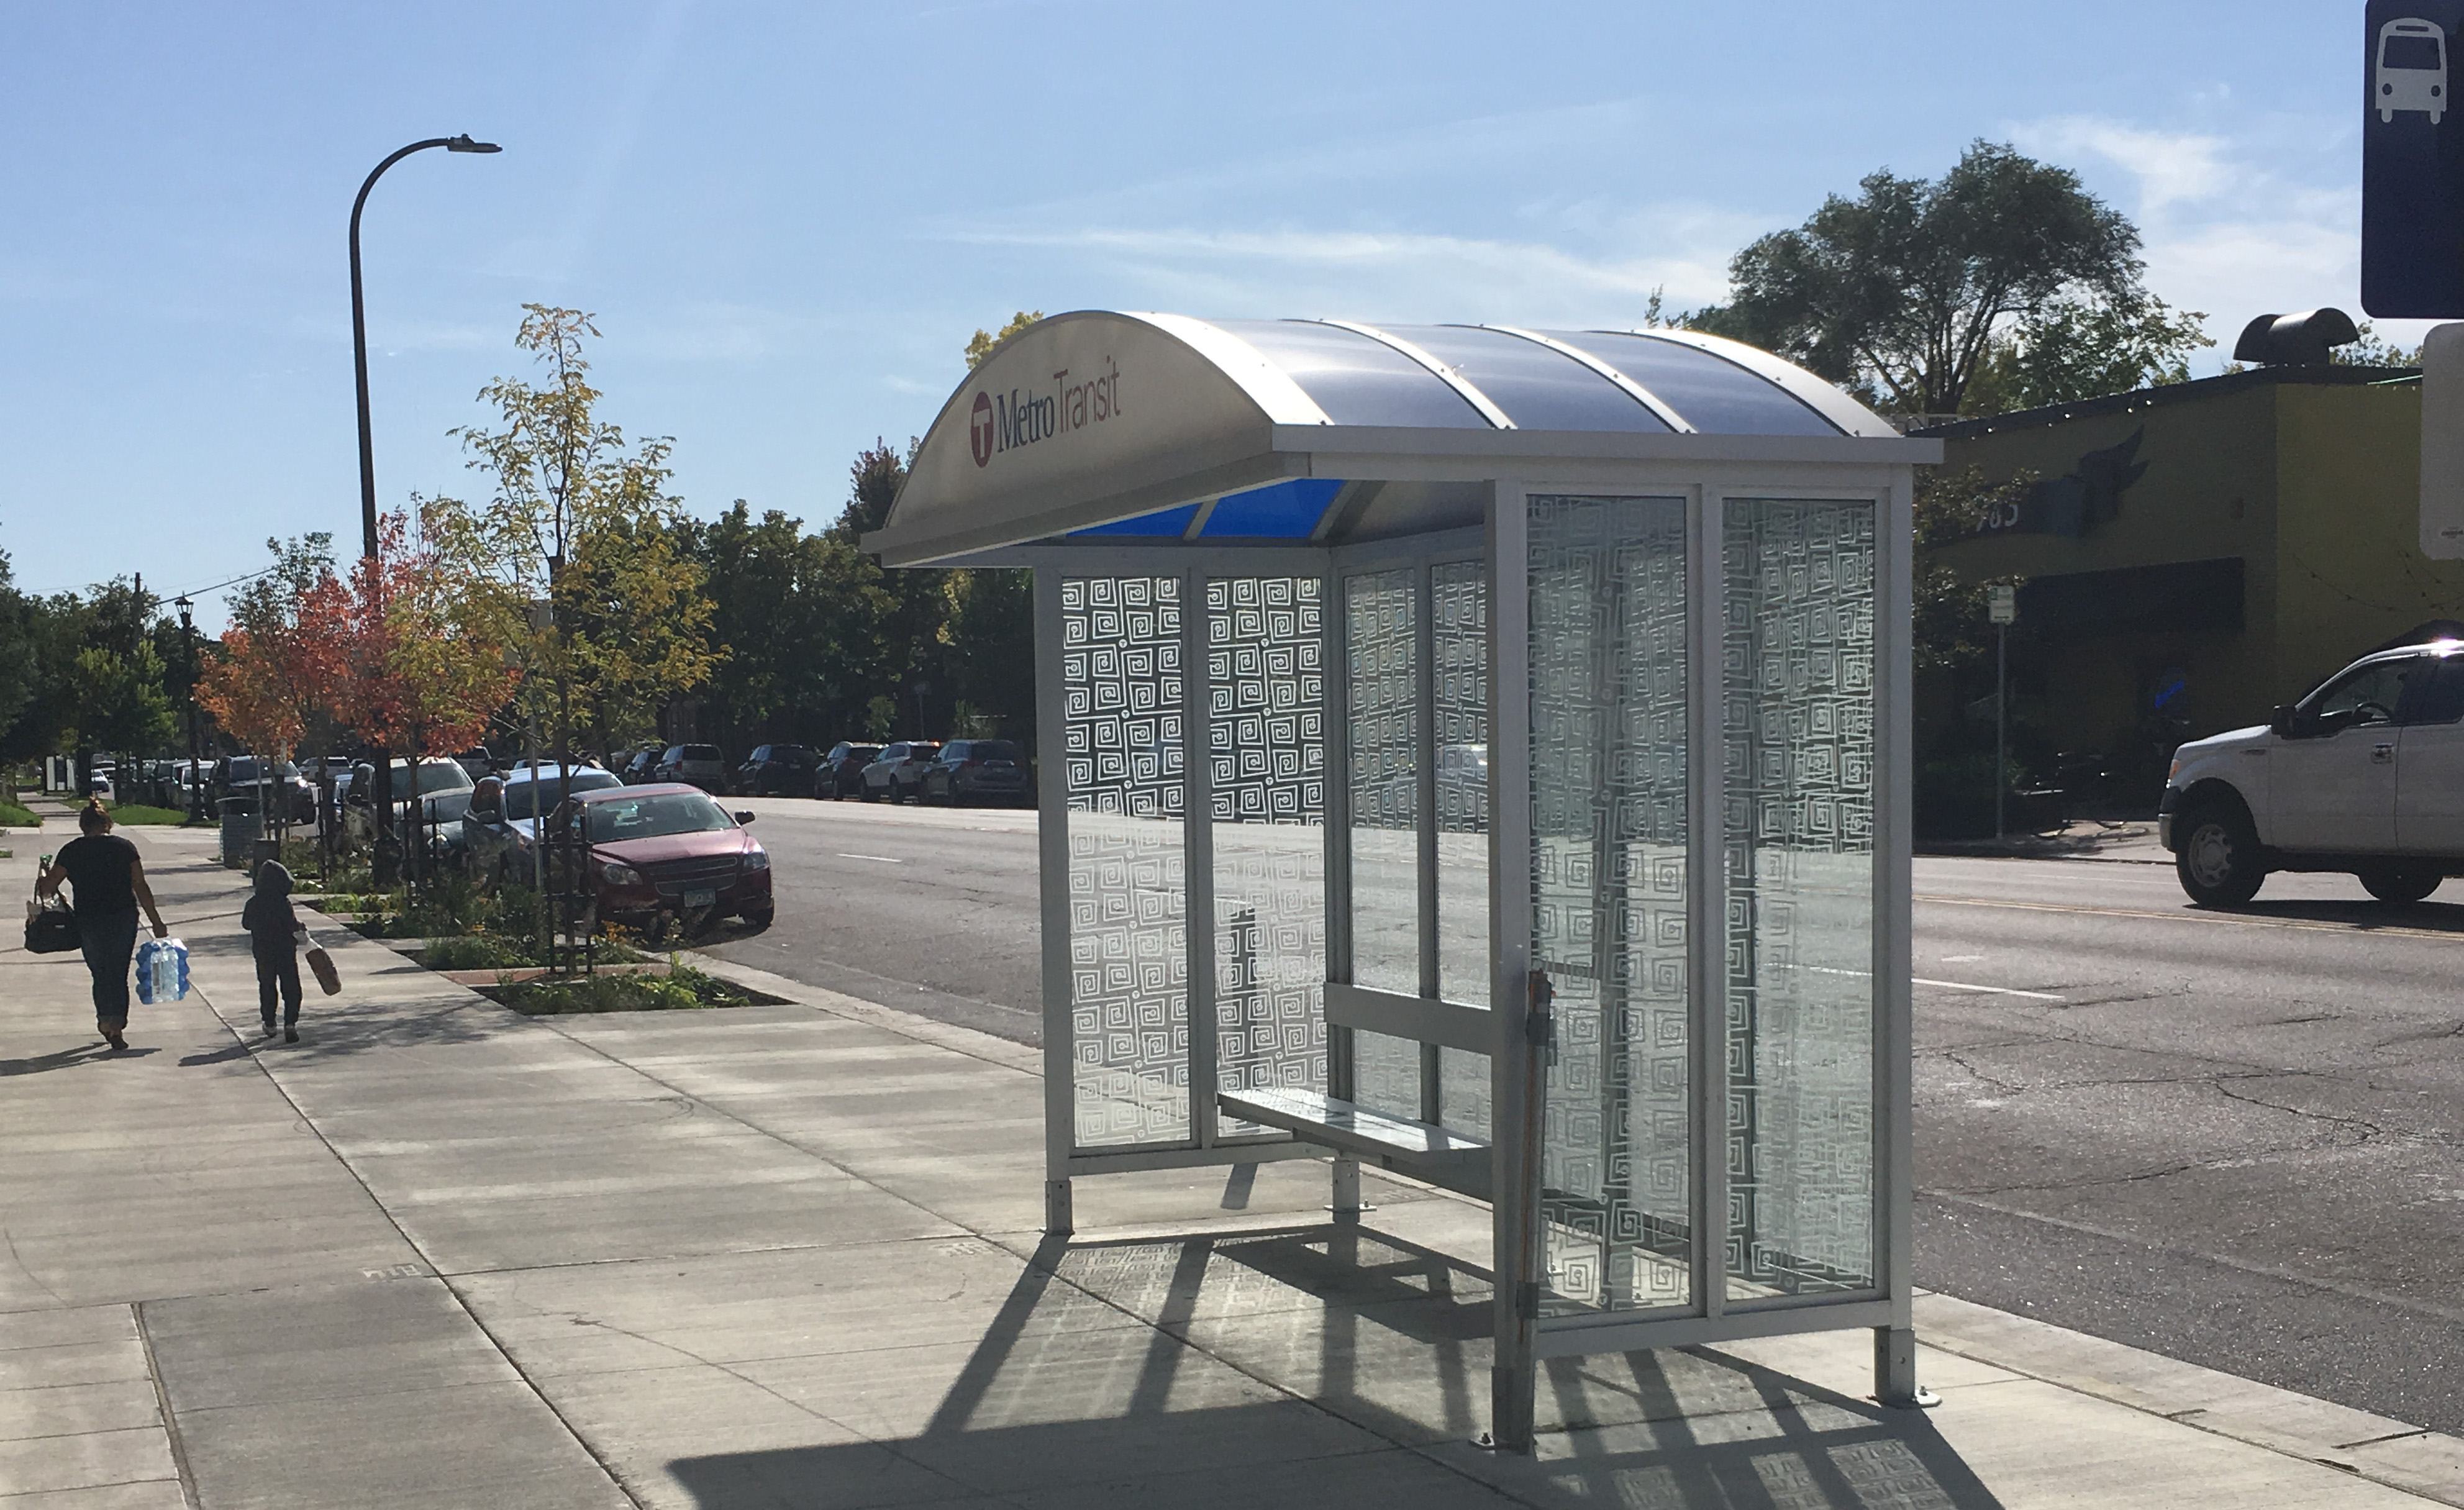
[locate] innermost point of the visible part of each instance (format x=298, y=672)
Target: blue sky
x=788, y=218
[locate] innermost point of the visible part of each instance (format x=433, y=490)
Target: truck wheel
x=2399, y=882
x=2218, y=862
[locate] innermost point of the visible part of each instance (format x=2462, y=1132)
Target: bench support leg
x=1058, y=1218
x=1894, y=1370
x=1346, y=1202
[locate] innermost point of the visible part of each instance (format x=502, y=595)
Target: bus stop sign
x=2412, y=162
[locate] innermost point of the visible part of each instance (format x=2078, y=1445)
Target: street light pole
x=189, y=641
x=383, y=808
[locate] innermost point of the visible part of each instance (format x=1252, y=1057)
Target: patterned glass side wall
x=1797, y=720
x=1128, y=1000
x=1380, y=694
x=1609, y=835
x=1458, y=638
x=1265, y=682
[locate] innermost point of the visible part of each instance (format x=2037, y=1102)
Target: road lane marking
x=1946, y=985
x=2000, y=991
x=879, y=860
x=2305, y=925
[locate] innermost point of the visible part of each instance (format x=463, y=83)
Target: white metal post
x=1052, y=878
x=1515, y=1211
x=2001, y=721
x=1895, y=1349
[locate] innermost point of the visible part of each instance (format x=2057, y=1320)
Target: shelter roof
x=1163, y=426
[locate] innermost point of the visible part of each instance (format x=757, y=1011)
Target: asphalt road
x=2229, y=1138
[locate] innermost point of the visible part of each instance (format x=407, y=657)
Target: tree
x=427, y=642
x=1901, y=292
x=2076, y=348
x=20, y=671
x=282, y=661
x=802, y=616
x=983, y=343
x=2374, y=350
x=579, y=517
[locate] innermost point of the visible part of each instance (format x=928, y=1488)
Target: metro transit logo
x=980, y=428
x=1002, y=422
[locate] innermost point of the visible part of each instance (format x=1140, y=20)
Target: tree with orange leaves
x=281, y=659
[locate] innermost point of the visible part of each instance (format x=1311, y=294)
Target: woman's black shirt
x=98, y=866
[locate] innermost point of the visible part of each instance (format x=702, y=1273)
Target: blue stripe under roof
x=1538, y=388
x=1357, y=381
x=1709, y=392
x=1173, y=522
x=1283, y=510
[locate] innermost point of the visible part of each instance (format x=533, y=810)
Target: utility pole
x=2003, y=601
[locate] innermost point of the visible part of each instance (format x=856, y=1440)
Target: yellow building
x=2195, y=554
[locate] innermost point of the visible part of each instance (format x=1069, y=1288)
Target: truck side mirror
x=2285, y=720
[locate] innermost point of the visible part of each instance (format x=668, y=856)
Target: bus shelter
x=1481, y=753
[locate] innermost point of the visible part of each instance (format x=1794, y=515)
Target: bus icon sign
x=2411, y=69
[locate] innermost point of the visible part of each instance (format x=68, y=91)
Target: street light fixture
x=383, y=793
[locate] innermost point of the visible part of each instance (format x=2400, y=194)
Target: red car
x=667, y=849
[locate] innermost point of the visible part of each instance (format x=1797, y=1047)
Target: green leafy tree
x=1902, y=291
x=2374, y=350
x=802, y=616
x=20, y=671
x=580, y=517
x=982, y=342
x=2079, y=348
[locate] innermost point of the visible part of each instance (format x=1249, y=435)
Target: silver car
x=700, y=765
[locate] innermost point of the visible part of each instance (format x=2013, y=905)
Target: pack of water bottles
x=161, y=971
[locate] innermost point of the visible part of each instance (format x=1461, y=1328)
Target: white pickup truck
x=2364, y=776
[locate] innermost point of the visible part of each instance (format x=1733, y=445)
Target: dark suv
x=776, y=771
x=841, y=772
x=977, y=770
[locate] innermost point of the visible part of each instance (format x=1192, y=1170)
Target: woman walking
x=107, y=883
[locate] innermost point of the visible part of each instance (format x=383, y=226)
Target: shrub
x=683, y=990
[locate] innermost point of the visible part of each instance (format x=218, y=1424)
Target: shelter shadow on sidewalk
x=1316, y=1364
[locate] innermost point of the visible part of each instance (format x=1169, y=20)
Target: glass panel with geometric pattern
x=1128, y=962
x=1381, y=696
x=1382, y=703
x=1609, y=885
x=1265, y=688
x=1458, y=638
x=1797, y=822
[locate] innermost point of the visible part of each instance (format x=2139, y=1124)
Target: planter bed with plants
x=679, y=989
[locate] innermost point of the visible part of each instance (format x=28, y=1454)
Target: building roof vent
x=2295, y=341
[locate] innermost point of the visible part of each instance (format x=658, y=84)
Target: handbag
x=51, y=927
x=320, y=965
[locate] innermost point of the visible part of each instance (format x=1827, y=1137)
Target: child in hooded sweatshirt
x=275, y=933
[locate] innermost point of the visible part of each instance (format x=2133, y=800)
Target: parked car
x=277, y=782
x=776, y=771
x=667, y=849
x=444, y=790
x=695, y=765
x=841, y=772
x=897, y=773
x=636, y=765
x=500, y=822
x=2365, y=775
x=476, y=762
x=977, y=771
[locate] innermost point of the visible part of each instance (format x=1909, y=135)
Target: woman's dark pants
x=109, y=942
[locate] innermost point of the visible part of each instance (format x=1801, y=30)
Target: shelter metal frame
x=1508, y=469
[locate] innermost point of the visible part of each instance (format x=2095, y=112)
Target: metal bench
x=1424, y=1151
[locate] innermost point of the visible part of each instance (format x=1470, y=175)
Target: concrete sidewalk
x=441, y=1255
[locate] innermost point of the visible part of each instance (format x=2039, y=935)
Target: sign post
x=2003, y=605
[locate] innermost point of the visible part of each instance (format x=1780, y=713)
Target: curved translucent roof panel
x=1716, y=396
x=1355, y=378
x=1539, y=388
x=1133, y=430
